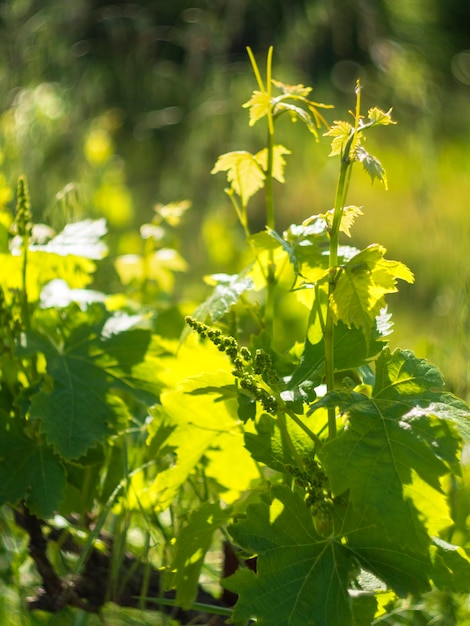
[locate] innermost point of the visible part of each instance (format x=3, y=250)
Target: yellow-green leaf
x=347, y=219
x=244, y=173
x=377, y=116
x=340, y=131
x=362, y=285
x=173, y=212
x=279, y=163
x=292, y=90
x=259, y=105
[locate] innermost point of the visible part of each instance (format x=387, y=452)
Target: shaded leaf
x=30, y=471
x=351, y=350
x=301, y=578
x=89, y=375
x=192, y=543
x=269, y=447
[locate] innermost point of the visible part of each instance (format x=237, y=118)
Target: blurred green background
x=112, y=107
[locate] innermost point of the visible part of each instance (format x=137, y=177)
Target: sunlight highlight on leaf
x=244, y=173
x=259, y=105
x=362, y=284
x=279, y=163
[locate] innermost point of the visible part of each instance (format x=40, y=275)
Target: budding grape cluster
x=256, y=373
x=314, y=481
x=23, y=218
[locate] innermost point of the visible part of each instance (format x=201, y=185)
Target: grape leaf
x=227, y=292
x=301, y=578
x=279, y=163
x=388, y=448
x=43, y=267
x=244, y=173
x=348, y=218
x=90, y=373
x=203, y=413
x=377, y=116
x=359, y=292
x=351, y=350
x=82, y=239
x=259, y=105
x=292, y=90
x=451, y=567
x=341, y=132
x=267, y=445
x=192, y=543
x=29, y=470
x=371, y=165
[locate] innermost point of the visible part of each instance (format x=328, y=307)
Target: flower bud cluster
x=315, y=483
x=253, y=372
x=24, y=217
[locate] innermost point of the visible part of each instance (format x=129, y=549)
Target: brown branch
x=89, y=589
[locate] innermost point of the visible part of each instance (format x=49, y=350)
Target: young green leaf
x=348, y=218
x=244, y=173
x=378, y=117
x=259, y=105
x=371, y=165
x=279, y=163
x=292, y=90
x=341, y=133
x=365, y=279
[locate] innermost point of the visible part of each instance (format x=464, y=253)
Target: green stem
x=195, y=606
x=305, y=428
x=270, y=212
x=329, y=330
x=281, y=420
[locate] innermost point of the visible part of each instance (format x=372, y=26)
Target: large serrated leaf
x=201, y=418
x=89, y=376
x=388, y=449
x=301, y=578
x=30, y=471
